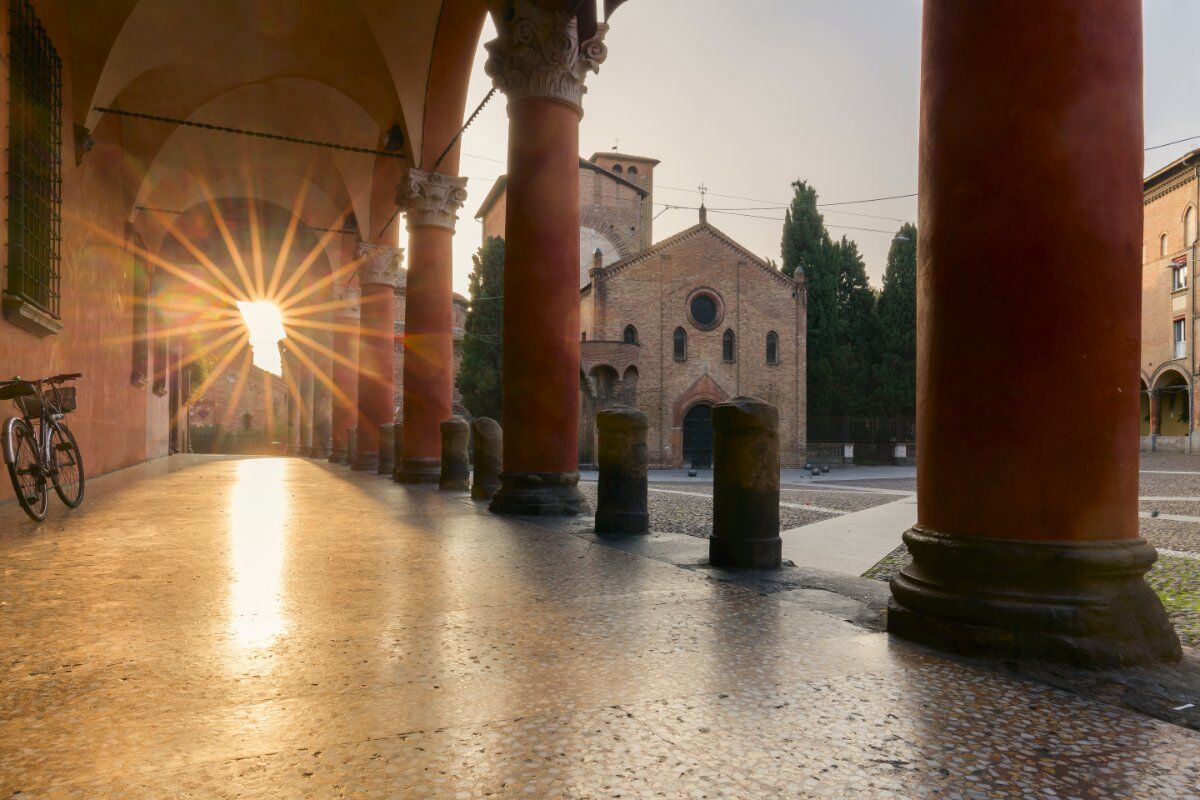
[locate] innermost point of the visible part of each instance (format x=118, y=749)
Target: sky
x=748, y=97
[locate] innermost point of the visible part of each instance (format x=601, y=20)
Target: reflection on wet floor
x=284, y=628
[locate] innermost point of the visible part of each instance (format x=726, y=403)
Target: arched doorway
x=1172, y=393
x=698, y=437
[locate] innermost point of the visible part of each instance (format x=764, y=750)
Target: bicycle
x=38, y=445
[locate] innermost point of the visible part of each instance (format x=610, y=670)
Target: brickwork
x=245, y=408
x=1169, y=194
x=652, y=292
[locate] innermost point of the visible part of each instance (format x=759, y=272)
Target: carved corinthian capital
x=538, y=54
x=381, y=263
x=429, y=198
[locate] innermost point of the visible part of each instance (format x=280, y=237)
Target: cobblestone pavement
x=279, y=628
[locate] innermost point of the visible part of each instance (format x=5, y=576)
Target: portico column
x=1155, y=412
x=291, y=378
x=345, y=375
x=307, y=407
x=540, y=64
x=1026, y=543
x=322, y=398
x=378, y=275
x=431, y=202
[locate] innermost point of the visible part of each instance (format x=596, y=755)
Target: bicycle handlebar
x=63, y=378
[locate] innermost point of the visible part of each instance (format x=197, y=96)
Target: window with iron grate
x=31, y=297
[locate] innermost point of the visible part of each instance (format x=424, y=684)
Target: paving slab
x=852, y=543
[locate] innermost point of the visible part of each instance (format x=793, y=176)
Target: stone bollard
x=745, y=485
x=351, y=445
x=456, y=461
x=621, y=505
x=387, y=448
x=489, y=447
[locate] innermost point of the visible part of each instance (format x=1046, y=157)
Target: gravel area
x=1188, y=508
x=841, y=501
x=1169, y=534
x=677, y=513
x=1159, y=485
x=903, y=484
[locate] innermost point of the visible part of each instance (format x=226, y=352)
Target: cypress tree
x=480, y=375
x=896, y=382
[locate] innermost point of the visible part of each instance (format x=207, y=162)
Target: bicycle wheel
x=26, y=472
x=68, y=466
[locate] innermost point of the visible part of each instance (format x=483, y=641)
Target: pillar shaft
x=431, y=202
x=541, y=289
x=540, y=64
x=307, y=407
x=1011, y=204
x=345, y=377
x=1155, y=411
x=378, y=275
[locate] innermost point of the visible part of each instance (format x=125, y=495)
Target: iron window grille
x=34, y=162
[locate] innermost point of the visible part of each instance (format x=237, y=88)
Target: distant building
x=675, y=327
x=1169, y=364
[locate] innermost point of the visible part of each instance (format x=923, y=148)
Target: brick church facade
x=675, y=327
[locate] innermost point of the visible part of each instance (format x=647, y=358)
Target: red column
x=322, y=397
x=431, y=202
x=1031, y=166
x=541, y=267
x=378, y=276
x=307, y=404
x=1155, y=412
x=291, y=381
x=345, y=373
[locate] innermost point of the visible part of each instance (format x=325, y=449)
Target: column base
x=728, y=552
x=622, y=523
x=485, y=490
x=338, y=456
x=365, y=462
x=292, y=450
x=539, y=494
x=418, y=470
x=305, y=452
x=320, y=452
x=1086, y=604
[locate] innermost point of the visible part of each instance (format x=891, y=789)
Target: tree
x=896, y=374
x=856, y=333
x=480, y=375
x=804, y=236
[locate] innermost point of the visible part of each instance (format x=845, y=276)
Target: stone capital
x=431, y=199
x=380, y=263
x=538, y=54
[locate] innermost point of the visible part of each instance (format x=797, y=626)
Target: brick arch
x=590, y=218
x=1167, y=368
x=704, y=390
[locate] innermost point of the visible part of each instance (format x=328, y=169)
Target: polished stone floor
x=282, y=628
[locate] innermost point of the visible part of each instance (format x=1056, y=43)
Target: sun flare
x=264, y=321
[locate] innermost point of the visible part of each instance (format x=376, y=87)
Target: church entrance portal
x=698, y=437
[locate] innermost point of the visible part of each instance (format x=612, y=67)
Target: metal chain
x=258, y=134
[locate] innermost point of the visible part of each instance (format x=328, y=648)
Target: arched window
x=617, y=169
x=630, y=336
x=727, y=349
x=633, y=171
x=1189, y=226
x=680, y=340
x=772, y=348
x=1162, y=245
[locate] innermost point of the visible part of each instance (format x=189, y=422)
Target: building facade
x=1169, y=365
x=675, y=327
